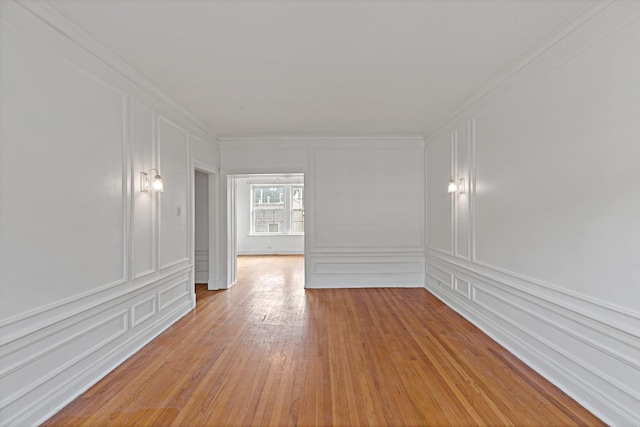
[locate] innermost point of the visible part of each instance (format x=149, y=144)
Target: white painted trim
x=566, y=372
x=491, y=88
x=550, y=293
x=40, y=410
x=48, y=15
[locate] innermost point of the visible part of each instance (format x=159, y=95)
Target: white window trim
x=288, y=207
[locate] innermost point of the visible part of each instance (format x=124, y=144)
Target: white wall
x=364, y=204
x=542, y=253
x=91, y=269
x=249, y=244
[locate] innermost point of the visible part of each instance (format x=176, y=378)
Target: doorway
x=204, y=238
x=266, y=213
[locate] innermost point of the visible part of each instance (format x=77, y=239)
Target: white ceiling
x=320, y=68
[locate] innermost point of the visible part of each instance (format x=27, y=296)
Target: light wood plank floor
x=267, y=352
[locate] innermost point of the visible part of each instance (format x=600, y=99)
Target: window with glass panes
x=297, y=209
x=277, y=209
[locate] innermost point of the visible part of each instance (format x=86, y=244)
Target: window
x=297, y=209
x=277, y=209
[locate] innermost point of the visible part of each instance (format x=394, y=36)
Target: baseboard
x=594, y=363
x=90, y=343
x=108, y=363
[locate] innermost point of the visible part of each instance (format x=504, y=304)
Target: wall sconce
x=155, y=183
x=456, y=185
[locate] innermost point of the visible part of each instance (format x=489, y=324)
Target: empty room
x=319, y=213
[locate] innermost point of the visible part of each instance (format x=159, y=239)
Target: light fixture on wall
x=456, y=185
x=151, y=181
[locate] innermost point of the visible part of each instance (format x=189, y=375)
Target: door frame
x=213, y=283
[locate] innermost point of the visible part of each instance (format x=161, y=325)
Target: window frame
x=288, y=208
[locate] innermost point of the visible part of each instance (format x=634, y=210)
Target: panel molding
x=611, y=335
x=591, y=308
x=28, y=388
x=169, y=295
x=63, y=27
x=364, y=144
x=502, y=83
x=91, y=370
x=43, y=319
x=133, y=104
x=609, y=409
x=135, y=319
x=364, y=270
x=188, y=168
x=453, y=199
x=94, y=331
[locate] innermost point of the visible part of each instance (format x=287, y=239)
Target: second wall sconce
x=147, y=182
x=456, y=185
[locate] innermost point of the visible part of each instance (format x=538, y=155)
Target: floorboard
x=269, y=353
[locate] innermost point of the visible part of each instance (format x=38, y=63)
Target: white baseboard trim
x=593, y=363
x=93, y=344
x=103, y=366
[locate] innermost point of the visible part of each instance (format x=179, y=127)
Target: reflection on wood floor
x=267, y=352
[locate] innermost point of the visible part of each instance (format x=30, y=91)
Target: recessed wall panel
x=143, y=218
x=439, y=206
x=556, y=162
x=462, y=200
x=368, y=198
x=64, y=221
x=174, y=215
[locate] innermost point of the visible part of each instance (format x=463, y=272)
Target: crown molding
x=488, y=90
x=48, y=15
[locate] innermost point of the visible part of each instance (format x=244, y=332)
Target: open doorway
x=267, y=212
x=204, y=246
x=201, y=225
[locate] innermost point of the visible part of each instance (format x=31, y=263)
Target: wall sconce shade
x=456, y=185
x=151, y=181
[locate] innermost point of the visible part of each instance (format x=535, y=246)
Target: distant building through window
x=277, y=209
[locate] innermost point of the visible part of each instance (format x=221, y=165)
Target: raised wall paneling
x=29, y=377
x=553, y=241
x=174, y=216
x=75, y=136
x=440, y=276
x=556, y=337
x=462, y=201
x=368, y=198
x=173, y=292
x=76, y=227
x=439, y=208
x=545, y=177
x=362, y=206
x=143, y=310
x=144, y=219
x=462, y=286
x=359, y=270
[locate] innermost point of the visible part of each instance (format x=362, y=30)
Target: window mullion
x=287, y=209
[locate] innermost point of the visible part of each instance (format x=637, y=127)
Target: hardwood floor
x=267, y=352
